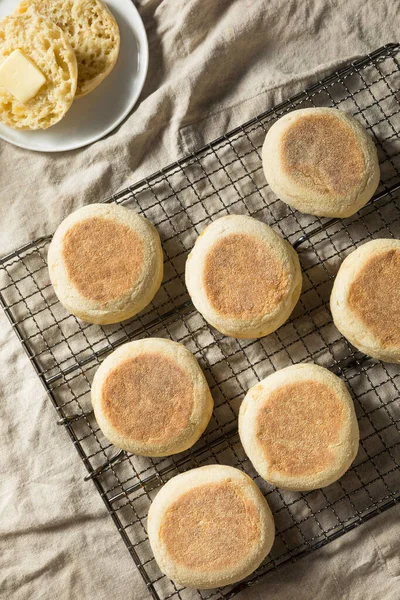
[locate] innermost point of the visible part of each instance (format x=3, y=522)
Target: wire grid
x=181, y=200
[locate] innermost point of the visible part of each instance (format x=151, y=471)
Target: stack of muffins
x=211, y=526
x=52, y=52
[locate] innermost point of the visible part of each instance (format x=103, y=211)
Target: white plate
x=97, y=114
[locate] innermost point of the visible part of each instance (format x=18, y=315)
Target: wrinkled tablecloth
x=213, y=65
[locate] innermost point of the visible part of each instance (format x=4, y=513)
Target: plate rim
x=143, y=54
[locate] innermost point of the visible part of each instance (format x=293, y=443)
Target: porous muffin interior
x=92, y=31
x=47, y=46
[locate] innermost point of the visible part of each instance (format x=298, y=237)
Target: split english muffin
x=105, y=263
x=210, y=527
x=33, y=49
x=365, y=299
x=91, y=30
x=321, y=162
x=243, y=277
x=298, y=427
x=150, y=397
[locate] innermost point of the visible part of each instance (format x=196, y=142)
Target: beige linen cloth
x=213, y=65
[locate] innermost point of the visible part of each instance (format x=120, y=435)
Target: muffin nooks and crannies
x=299, y=428
x=210, y=527
x=150, y=397
x=91, y=30
x=365, y=299
x=321, y=162
x=243, y=277
x=47, y=48
x=105, y=263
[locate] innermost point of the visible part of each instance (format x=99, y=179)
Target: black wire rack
x=181, y=200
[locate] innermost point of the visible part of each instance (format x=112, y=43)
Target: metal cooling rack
x=226, y=177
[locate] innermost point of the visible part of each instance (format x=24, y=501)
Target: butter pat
x=21, y=77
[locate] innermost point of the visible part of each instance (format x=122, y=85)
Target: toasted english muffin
x=243, y=277
x=298, y=427
x=321, y=162
x=210, y=527
x=150, y=397
x=365, y=299
x=105, y=263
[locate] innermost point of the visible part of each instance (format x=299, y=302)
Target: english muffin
x=299, y=428
x=91, y=30
x=243, y=277
x=365, y=299
x=105, y=263
x=210, y=527
x=47, y=49
x=150, y=397
x=321, y=161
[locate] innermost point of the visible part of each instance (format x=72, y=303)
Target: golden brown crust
x=297, y=426
x=322, y=152
x=148, y=398
x=243, y=278
x=211, y=527
x=103, y=258
x=374, y=296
